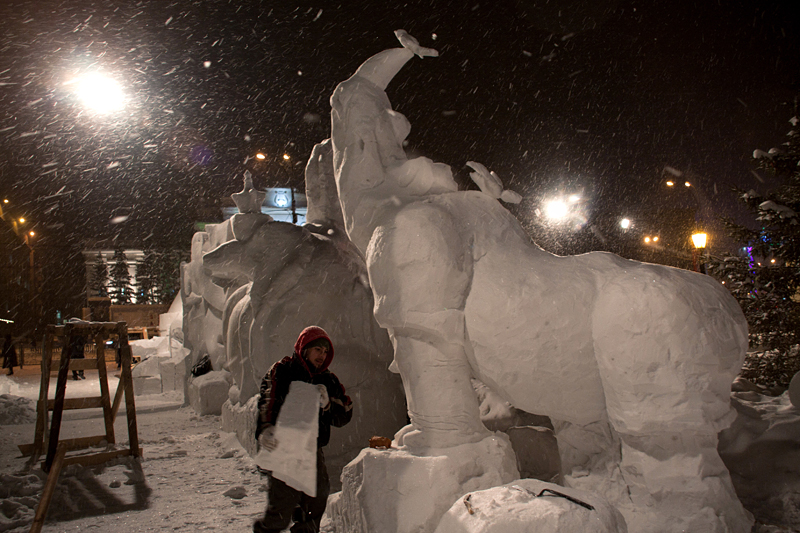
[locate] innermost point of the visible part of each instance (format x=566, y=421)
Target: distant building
x=280, y=203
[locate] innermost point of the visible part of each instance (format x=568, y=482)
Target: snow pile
x=8, y=385
x=16, y=410
x=762, y=451
x=19, y=496
x=530, y=505
x=428, y=484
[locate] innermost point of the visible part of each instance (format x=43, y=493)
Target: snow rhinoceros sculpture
x=632, y=361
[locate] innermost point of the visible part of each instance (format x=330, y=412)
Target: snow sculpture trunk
x=634, y=360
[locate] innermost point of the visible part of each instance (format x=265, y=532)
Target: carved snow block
x=518, y=508
x=143, y=385
x=208, y=392
x=401, y=491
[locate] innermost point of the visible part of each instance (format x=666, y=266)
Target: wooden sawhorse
x=48, y=439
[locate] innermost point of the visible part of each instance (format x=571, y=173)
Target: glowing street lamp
x=98, y=92
x=699, y=240
x=625, y=223
x=260, y=156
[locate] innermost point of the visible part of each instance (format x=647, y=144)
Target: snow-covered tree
x=166, y=275
x=121, y=290
x=766, y=280
x=99, y=277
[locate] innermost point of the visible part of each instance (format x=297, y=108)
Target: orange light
x=286, y=157
x=687, y=184
x=670, y=183
x=647, y=239
x=21, y=220
x=260, y=156
x=699, y=240
x=5, y=200
x=655, y=239
x=32, y=233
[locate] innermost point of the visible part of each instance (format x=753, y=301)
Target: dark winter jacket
x=275, y=387
x=9, y=354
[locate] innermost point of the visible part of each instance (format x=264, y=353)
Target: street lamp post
x=699, y=240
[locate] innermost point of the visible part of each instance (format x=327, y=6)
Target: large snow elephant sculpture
x=634, y=361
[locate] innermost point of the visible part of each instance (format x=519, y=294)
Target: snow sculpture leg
x=419, y=269
x=441, y=403
x=667, y=382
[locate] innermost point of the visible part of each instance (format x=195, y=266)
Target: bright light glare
x=260, y=156
x=555, y=210
x=687, y=184
x=699, y=240
x=286, y=157
x=670, y=183
x=574, y=199
x=647, y=239
x=99, y=93
x=625, y=223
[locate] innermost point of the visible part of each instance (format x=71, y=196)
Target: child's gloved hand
x=324, y=400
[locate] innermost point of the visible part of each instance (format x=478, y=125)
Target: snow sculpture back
x=622, y=355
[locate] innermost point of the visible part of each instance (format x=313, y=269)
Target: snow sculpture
x=271, y=279
x=203, y=301
x=633, y=361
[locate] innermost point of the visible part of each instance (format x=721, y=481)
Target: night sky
x=594, y=97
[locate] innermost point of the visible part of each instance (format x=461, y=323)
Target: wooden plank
x=99, y=341
x=47, y=493
x=99, y=458
x=117, y=400
x=86, y=402
x=58, y=406
x=42, y=413
x=69, y=444
x=127, y=382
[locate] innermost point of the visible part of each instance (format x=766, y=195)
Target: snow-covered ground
x=195, y=477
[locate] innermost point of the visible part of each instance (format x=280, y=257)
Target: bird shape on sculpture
x=412, y=44
x=249, y=200
x=491, y=184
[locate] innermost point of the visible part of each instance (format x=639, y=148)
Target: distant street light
x=625, y=223
x=260, y=156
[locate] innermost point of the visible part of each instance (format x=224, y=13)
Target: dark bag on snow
x=203, y=366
